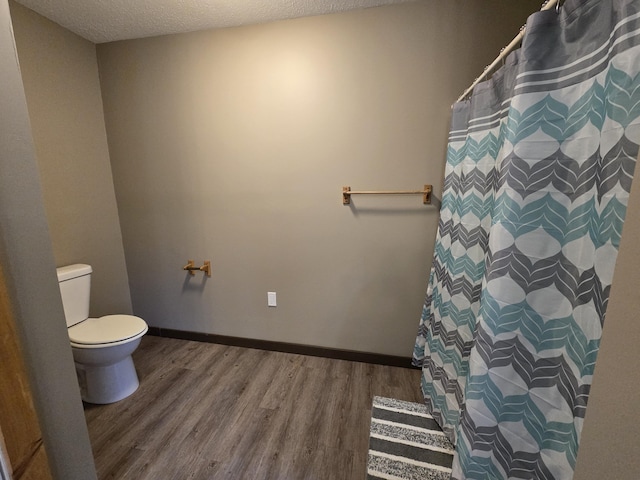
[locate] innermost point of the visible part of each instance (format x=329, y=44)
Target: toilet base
x=103, y=384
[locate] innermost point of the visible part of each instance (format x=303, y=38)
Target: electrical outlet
x=271, y=299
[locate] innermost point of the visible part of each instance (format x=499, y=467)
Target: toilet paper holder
x=191, y=267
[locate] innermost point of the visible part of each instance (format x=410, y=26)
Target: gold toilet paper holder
x=191, y=267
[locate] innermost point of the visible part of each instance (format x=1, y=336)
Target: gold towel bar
x=191, y=267
x=347, y=192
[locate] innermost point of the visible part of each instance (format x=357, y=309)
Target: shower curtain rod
x=548, y=5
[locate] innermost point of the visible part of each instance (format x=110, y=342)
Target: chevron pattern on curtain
x=539, y=167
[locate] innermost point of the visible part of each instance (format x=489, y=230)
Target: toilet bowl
x=101, y=347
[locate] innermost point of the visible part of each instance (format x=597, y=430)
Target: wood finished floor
x=207, y=411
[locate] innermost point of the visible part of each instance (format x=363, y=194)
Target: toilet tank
x=75, y=288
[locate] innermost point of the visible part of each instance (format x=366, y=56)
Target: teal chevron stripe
x=476, y=467
x=437, y=372
x=486, y=453
x=474, y=149
x=547, y=115
x=454, y=310
x=480, y=207
x=589, y=108
x=447, y=355
x=552, y=435
x=463, y=199
x=449, y=309
x=439, y=401
x=489, y=145
x=438, y=339
x=543, y=335
x=562, y=224
x=557, y=119
x=461, y=265
x=619, y=99
x=455, y=156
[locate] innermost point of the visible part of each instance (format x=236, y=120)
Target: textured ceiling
x=107, y=20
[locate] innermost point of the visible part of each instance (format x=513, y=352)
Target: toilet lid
x=107, y=329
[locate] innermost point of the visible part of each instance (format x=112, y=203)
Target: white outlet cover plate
x=271, y=299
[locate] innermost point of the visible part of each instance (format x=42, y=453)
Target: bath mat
x=405, y=443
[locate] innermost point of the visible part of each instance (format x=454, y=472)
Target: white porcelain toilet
x=101, y=347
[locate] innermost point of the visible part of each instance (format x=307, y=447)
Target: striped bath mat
x=405, y=443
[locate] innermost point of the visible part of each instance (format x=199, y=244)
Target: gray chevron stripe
x=570, y=177
x=577, y=287
x=535, y=372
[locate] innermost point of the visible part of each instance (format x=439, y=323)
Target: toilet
x=101, y=347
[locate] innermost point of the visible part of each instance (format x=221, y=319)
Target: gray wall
x=233, y=145
x=60, y=75
x=27, y=260
x=609, y=443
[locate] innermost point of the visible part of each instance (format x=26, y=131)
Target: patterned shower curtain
x=539, y=167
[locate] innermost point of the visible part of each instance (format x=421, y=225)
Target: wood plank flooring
x=208, y=411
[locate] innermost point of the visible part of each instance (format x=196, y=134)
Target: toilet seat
x=107, y=331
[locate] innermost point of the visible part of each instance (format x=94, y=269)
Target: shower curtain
x=539, y=167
